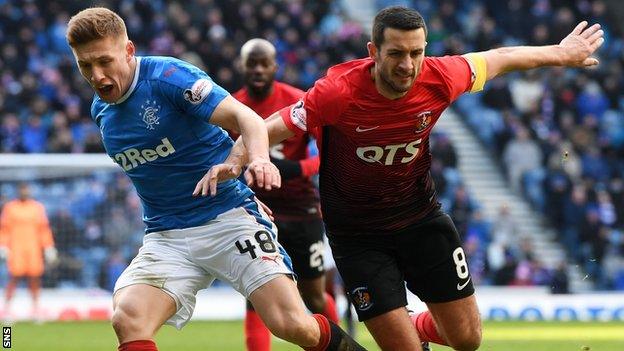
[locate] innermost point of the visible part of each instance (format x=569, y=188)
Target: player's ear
x=372, y=49
x=130, y=50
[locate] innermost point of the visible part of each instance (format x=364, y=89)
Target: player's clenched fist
x=263, y=174
x=216, y=174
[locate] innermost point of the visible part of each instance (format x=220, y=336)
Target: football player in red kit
x=382, y=217
x=295, y=205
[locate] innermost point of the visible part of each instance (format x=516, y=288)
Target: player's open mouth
x=105, y=89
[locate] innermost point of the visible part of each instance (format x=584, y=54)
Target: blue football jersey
x=159, y=133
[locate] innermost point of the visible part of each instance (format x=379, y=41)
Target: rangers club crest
x=423, y=120
x=361, y=298
x=150, y=114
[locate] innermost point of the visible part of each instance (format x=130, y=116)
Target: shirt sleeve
x=46, y=238
x=320, y=106
x=192, y=91
x=456, y=73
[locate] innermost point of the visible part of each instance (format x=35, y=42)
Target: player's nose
x=257, y=69
x=97, y=75
x=406, y=64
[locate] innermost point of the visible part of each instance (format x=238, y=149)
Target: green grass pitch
x=226, y=336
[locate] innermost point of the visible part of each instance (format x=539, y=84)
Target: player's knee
x=468, y=340
x=290, y=327
x=126, y=321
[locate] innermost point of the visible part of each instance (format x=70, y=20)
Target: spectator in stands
x=556, y=185
x=503, y=267
x=521, y=155
x=505, y=231
x=498, y=95
x=444, y=151
x=527, y=91
x=560, y=281
x=616, y=189
x=461, y=210
x=25, y=240
x=10, y=134
x=475, y=244
x=574, y=214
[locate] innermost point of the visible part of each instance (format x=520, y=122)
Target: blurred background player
x=161, y=120
x=25, y=242
x=295, y=205
x=379, y=202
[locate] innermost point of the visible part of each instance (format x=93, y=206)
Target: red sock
x=331, y=312
x=138, y=345
x=325, y=334
x=425, y=326
x=257, y=335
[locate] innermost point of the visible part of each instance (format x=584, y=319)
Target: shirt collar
x=134, y=82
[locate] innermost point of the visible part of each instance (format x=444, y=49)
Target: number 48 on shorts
x=264, y=241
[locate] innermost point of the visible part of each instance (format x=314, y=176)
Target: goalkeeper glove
x=4, y=253
x=50, y=255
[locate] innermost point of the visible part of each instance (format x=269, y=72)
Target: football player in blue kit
x=162, y=121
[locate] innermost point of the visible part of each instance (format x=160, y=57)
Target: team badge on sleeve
x=198, y=92
x=298, y=115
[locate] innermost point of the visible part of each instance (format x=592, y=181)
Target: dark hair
x=396, y=17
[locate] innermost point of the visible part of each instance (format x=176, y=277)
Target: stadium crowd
x=559, y=137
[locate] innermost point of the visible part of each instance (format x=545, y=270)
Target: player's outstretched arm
x=233, y=115
x=277, y=132
x=575, y=50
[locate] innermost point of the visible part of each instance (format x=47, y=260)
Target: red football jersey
x=375, y=159
x=297, y=198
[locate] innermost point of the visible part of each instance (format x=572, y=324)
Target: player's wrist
x=561, y=56
x=259, y=158
x=238, y=160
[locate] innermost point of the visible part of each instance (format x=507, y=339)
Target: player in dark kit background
x=379, y=203
x=295, y=205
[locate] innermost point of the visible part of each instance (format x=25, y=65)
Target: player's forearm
x=277, y=132
x=254, y=137
x=519, y=58
x=238, y=154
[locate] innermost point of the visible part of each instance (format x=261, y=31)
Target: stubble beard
x=394, y=87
